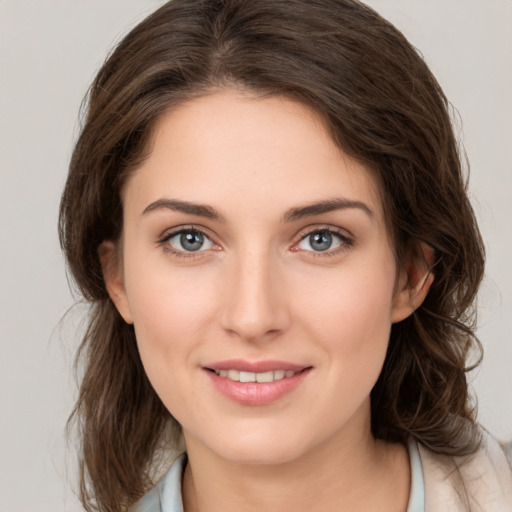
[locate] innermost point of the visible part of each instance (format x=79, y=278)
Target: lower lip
x=257, y=393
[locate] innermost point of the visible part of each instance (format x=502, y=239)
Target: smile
x=256, y=383
x=240, y=376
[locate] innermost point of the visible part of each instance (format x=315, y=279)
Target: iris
x=191, y=240
x=320, y=241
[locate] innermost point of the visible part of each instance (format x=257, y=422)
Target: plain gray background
x=49, y=53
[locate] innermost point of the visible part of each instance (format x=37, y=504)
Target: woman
x=267, y=211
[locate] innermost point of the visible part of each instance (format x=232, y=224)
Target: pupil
x=321, y=241
x=191, y=241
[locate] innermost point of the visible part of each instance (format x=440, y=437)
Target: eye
x=188, y=240
x=323, y=240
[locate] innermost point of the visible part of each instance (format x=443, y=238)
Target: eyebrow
x=184, y=207
x=293, y=214
x=327, y=206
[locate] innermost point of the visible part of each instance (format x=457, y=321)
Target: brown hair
x=382, y=106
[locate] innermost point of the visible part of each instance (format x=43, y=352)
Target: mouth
x=242, y=376
x=256, y=383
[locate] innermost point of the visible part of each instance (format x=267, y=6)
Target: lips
x=255, y=366
x=256, y=383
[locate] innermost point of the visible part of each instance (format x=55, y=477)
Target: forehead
x=237, y=150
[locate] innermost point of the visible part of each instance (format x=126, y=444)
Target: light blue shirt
x=417, y=493
x=166, y=496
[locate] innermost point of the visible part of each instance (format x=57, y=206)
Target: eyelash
x=346, y=242
x=167, y=247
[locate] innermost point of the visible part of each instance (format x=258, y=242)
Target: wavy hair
x=381, y=105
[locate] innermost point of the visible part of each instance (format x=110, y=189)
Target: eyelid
x=169, y=234
x=347, y=239
x=315, y=228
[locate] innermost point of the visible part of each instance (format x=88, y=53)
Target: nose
x=255, y=307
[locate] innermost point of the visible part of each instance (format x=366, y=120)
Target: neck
x=344, y=473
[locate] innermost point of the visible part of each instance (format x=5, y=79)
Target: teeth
x=265, y=377
x=234, y=375
x=238, y=376
x=279, y=374
x=247, y=377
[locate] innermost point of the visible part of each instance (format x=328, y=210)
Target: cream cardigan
x=478, y=483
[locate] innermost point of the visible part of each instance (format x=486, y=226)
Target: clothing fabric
x=166, y=495
x=481, y=482
x=417, y=492
x=478, y=483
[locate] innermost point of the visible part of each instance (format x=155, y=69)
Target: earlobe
x=113, y=277
x=414, y=283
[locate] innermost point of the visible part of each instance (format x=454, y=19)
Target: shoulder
x=166, y=495
x=481, y=482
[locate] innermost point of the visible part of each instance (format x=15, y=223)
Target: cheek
x=172, y=319
x=349, y=302
x=350, y=316
x=171, y=310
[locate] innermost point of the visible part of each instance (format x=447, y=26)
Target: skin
x=257, y=290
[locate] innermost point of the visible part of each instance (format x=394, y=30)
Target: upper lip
x=255, y=366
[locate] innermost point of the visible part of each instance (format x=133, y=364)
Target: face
x=258, y=273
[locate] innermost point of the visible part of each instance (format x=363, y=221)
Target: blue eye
x=323, y=240
x=189, y=240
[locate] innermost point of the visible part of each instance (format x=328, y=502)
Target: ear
x=414, y=281
x=113, y=277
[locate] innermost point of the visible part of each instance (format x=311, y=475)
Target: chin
x=263, y=449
